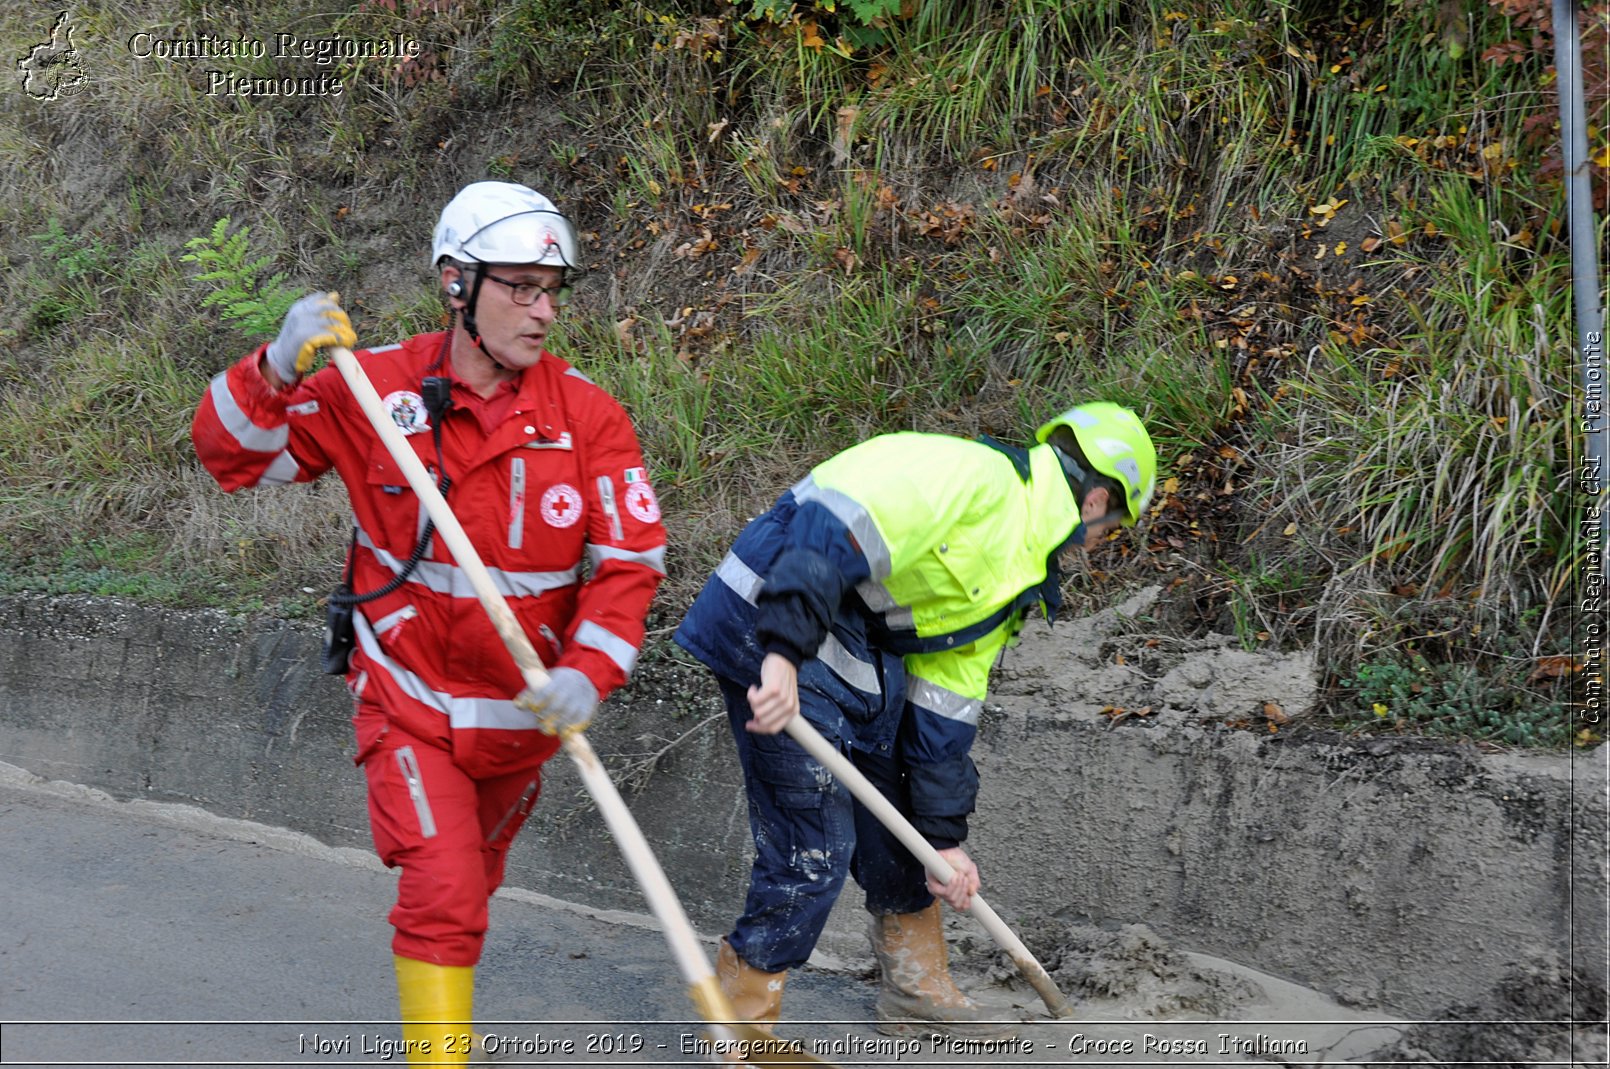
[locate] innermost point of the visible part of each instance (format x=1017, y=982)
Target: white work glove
x=563, y=707
x=315, y=322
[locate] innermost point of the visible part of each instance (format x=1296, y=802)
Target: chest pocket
x=399, y=517
x=544, y=504
x=962, y=572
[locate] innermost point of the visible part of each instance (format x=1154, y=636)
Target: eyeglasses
x=526, y=293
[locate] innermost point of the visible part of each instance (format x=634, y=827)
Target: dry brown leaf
x=1554, y=668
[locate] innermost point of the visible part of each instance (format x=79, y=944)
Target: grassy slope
x=1309, y=244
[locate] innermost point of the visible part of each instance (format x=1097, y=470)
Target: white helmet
x=504, y=223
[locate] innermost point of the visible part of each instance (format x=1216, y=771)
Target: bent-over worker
x=873, y=598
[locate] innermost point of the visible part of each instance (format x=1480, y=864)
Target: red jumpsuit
x=549, y=484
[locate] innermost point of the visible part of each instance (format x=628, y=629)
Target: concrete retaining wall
x=1396, y=874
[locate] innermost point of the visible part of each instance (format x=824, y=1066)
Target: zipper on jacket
x=520, y=807
x=552, y=639
x=516, y=502
x=395, y=619
x=409, y=764
x=606, y=495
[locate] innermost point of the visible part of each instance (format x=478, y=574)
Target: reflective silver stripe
x=239, y=425
x=516, y=502
x=388, y=348
x=391, y=620
x=743, y=580
x=933, y=698
x=573, y=373
x=449, y=579
x=409, y=764
x=491, y=713
x=852, y=514
x=282, y=471
x=617, y=649
x=880, y=601
x=652, y=558
x=859, y=674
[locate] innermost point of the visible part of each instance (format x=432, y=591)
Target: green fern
x=240, y=292
x=870, y=12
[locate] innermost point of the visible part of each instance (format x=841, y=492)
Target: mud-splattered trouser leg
x=805, y=826
x=804, y=833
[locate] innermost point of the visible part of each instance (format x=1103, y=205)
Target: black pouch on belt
x=339, y=635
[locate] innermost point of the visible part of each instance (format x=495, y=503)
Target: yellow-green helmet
x=1116, y=444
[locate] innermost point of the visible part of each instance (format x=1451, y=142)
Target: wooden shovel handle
x=807, y=736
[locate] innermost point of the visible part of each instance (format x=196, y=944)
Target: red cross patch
x=641, y=502
x=561, y=505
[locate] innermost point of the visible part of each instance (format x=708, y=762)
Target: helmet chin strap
x=467, y=317
x=1078, y=482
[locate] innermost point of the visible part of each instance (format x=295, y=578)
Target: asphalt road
x=136, y=934
x=168, y=937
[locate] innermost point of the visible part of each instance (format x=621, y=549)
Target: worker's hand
x=963, y=885
x=563, y=707
x=315, y=322
x=776, y=701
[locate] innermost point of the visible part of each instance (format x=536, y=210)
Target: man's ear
x=453, y=283
x=1097, y=503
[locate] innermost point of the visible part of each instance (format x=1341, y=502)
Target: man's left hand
x=565, y=705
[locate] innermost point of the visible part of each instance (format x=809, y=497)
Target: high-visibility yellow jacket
x=940, y=546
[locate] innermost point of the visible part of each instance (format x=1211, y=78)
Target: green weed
x=244, y=292
x=1406, y=692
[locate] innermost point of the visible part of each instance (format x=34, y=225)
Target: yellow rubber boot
x=436, y=1003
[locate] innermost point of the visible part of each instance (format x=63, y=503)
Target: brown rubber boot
x=755, y=995
x=917, y=995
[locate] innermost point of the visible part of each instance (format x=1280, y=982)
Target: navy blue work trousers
x=810, y=833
